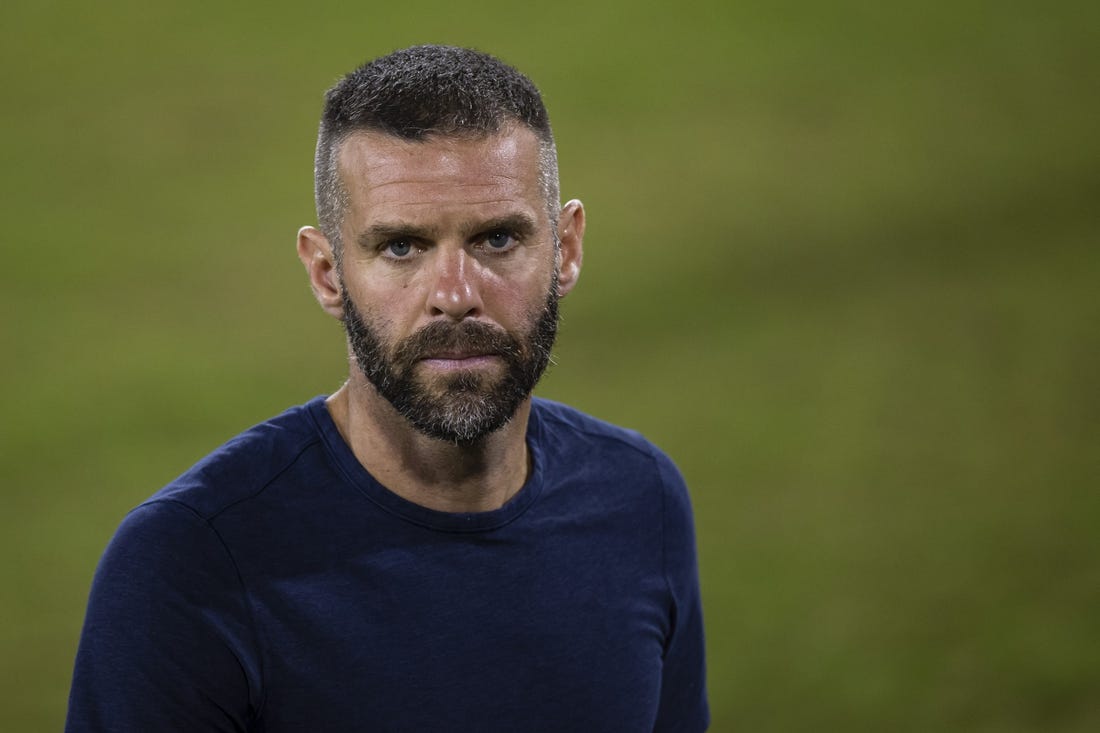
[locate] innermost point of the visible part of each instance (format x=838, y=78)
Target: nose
x=454, y=291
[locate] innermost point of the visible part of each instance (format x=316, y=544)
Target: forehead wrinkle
x=499, y=186
x=433, y=217
x=443, y=157
x=464, y=203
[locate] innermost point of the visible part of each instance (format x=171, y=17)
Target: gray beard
x=471, y=406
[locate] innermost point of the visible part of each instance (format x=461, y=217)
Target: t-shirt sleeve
x=167, y=643
x=683, y=707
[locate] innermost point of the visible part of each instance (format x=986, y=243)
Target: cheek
x=376, y=313
x=524, y=284
x=514, y=300
x=381, y=295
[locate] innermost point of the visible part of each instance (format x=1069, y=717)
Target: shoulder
x=564, y=424
x=622, y=468
x=246, y=464
x=604, y=446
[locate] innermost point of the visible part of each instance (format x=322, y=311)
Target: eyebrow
x=384, y=231
x=520, y=224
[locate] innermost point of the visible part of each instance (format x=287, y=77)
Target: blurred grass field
x=842, y=264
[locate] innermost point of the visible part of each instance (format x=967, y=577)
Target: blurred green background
x=842, y=264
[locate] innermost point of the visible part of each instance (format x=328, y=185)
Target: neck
x=433, y=473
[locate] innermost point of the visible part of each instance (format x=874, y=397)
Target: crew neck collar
x=361, y=479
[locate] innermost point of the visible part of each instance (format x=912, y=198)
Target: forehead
x=385, y=175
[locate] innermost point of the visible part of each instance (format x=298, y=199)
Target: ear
x=571, y=236
x=316, y=254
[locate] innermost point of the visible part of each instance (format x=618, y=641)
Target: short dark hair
x=418, y=92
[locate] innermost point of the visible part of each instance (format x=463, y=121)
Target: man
x=429, y=548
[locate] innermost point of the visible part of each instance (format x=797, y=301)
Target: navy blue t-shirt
x=276, y=586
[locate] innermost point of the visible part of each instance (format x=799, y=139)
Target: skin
x=445, y=229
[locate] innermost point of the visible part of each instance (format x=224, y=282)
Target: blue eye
x=399, y=248
x=499, y=240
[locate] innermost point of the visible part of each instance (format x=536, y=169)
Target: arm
x=167, y=643
x=683, y=705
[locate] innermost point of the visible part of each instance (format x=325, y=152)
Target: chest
x=558, y=628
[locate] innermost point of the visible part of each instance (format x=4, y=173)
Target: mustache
x=466, y=336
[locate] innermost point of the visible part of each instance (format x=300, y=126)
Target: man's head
x=421, y=92
x=442, y=248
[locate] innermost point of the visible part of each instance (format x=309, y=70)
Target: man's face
x=449, y=276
